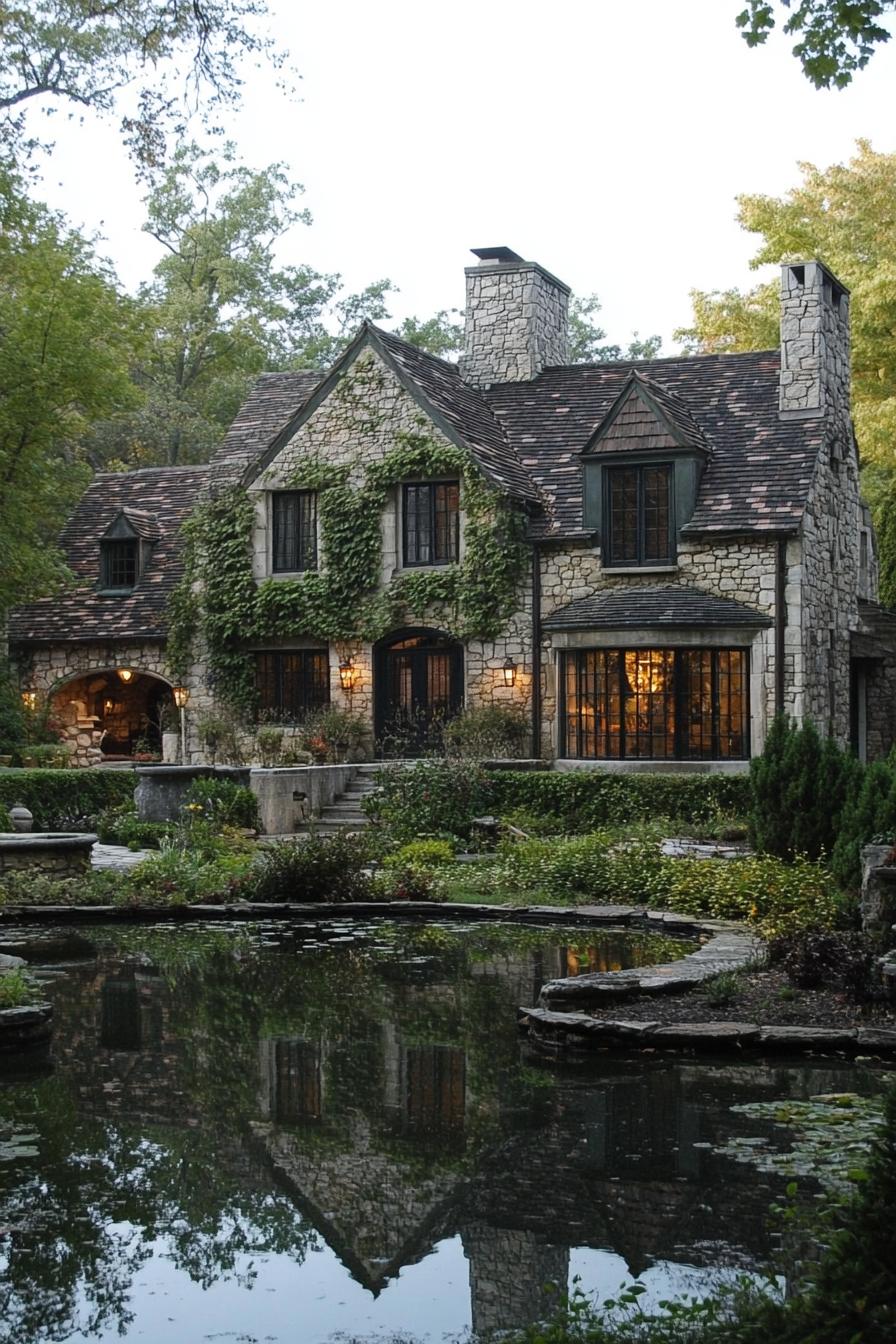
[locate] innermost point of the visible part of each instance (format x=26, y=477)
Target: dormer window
x=294, y=527
x=638, y=526
x=125, y=547
x=642, y=470
x=120, y=560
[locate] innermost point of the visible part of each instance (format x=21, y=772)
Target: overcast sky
x=605, y=140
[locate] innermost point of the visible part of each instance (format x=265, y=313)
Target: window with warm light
x=656, y=704
x=431, y=513
x=291, y=685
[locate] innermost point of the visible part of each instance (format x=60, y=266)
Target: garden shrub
x=870, y=812
x=120, y=825
x=430, y=797
x=181, y=873
x=421, y=854
x=223, y=803
x=829, y=958
x=586, y=800
x=484, y=732
x=314, y=868
x=65, y=800
x=799, y=788
x=18, y=988
x=779, y=897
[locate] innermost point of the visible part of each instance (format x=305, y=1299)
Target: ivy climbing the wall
x=344, y=600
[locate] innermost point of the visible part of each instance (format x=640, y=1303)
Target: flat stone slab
x=707, y=1033
x=809, y=1038
x=558, y=1029
x=10, y=963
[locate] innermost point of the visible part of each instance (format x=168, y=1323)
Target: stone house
x=645, y=560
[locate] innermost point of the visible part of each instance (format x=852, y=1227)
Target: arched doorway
x=114, y=714
x=418, y=681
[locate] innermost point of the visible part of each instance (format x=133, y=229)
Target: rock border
x=25, y=1027
x=577, y=1031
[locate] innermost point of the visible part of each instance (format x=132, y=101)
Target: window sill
x=424, y=569
x=640, y=569
x=278, y=574
x=116, y=592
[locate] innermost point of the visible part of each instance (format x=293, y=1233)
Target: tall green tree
x=222, y=308
x=835, y=37
x=587, y=339
x=173, y=55
x=68, y=336
x=846, y=216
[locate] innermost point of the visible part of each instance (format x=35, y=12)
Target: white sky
x=605, y=140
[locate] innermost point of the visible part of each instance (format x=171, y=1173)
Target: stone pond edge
x=731, y=946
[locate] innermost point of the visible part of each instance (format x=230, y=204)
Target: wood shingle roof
x=83, y=613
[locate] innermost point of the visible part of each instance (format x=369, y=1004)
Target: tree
x=585, y=337
x=439, y=335
x=836, y=37
x=176, y=55
x=221, y=308
x=67, y=338
x=846, y=216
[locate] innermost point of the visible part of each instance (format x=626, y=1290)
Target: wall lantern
x=126, y=674
x=348, y=674
x=509, y=672
x=29, y=700
x=181, y=696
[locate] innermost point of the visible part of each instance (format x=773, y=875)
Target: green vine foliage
x=345, y=599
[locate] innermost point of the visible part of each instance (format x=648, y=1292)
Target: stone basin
x=56, y=853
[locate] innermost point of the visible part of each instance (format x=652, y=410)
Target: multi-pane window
x=656, y=704
x=294, y=520
x=291, y=685
x=431, y=523
x=639, y=512
x=119, y=564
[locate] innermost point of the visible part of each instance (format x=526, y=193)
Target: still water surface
x=334, y=1131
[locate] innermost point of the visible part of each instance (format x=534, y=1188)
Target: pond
x=296, y=1133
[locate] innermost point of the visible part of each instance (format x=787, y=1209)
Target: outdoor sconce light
x=509, y=672
x=181, y=699
x=348, y=674
x=126, y=673
x=29, y=700
x=108, y=706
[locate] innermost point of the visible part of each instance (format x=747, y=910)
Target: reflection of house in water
x=400, y=1117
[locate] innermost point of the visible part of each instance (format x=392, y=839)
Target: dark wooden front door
x=419, y=687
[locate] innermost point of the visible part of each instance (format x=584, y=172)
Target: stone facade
x=806, y=534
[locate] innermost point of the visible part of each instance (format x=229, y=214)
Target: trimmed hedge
x=586, y=800
x=65, y=800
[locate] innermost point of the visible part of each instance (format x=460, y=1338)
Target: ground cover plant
x=18, y=988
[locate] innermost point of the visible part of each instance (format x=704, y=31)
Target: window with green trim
x=638, y=528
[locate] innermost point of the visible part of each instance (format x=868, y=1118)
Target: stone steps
x=344, y=813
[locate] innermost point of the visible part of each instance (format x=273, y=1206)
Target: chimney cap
x=501, y=255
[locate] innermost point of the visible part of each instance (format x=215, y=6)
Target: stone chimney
x=814, y=342
x=516, y=319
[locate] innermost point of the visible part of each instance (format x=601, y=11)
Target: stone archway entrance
x=105, y=715
x=418, y=681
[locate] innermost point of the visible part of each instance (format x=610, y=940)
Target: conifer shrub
x=799, y=789
x=869, y=812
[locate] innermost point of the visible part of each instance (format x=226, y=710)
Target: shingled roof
x=633, y=607
x=271, y=404
x=163, y=494
x=760, y=467
x=435, y=384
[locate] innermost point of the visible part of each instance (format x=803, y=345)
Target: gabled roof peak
x=664, y=421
